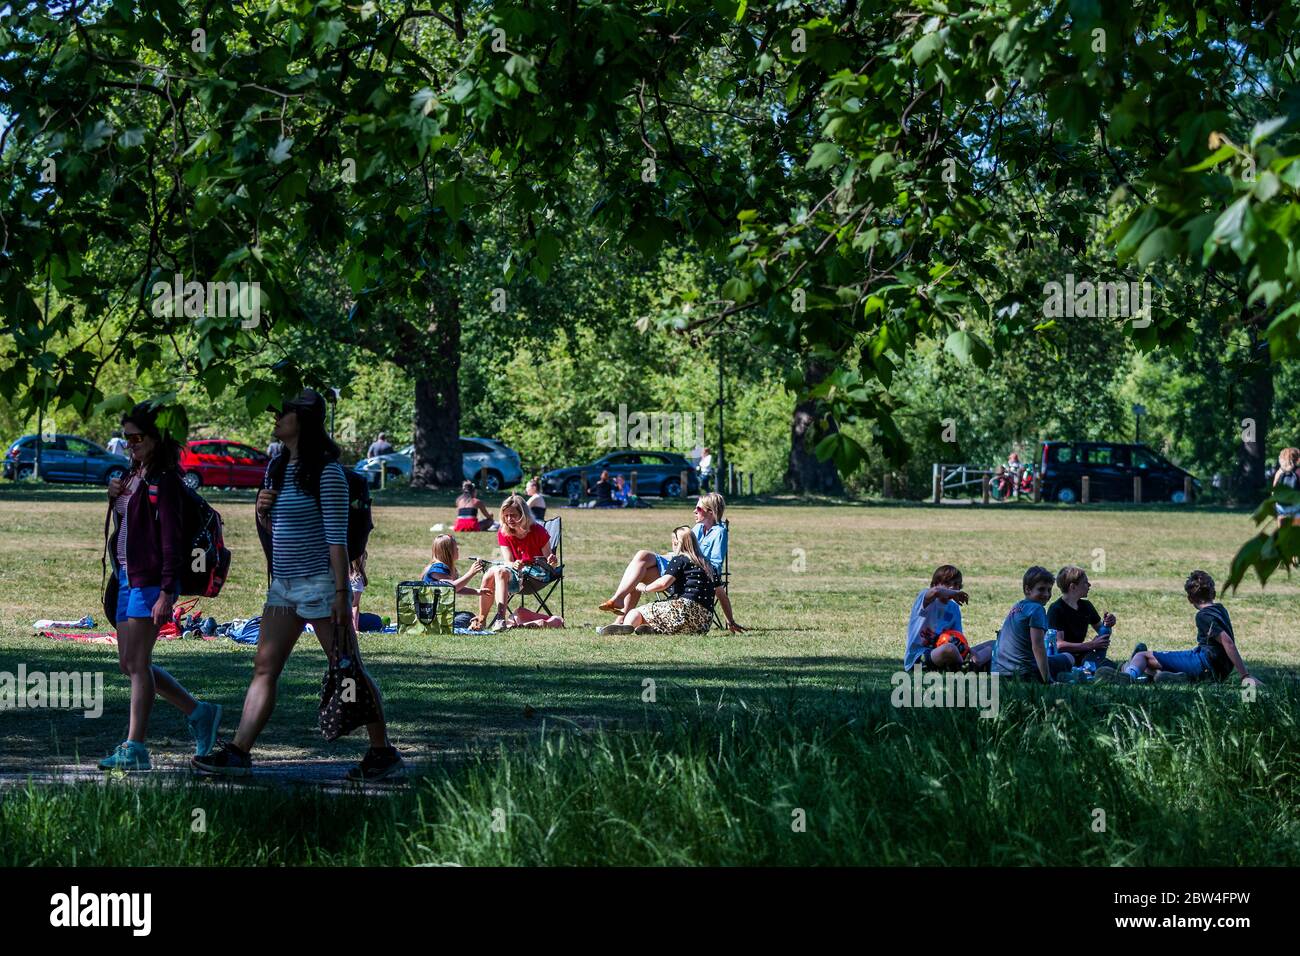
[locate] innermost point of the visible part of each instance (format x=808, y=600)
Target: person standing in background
x=705, y=469
x=380, y=446
x=274, y=448
x=117, y=444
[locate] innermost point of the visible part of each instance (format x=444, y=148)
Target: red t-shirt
x=531, y=545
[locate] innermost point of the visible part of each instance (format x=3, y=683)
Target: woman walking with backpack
x=148, y=549
x=308, y=523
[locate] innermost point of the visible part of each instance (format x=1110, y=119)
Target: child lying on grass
x=934, y=631
x=1214, y=657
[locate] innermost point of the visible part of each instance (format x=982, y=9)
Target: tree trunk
x=1254, y=406
x=437, y=462
x=805, y=474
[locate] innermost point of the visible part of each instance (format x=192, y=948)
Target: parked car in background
x=485, y=461
x=1111, y=468
x=657, y=473
x=64, y=458
x=226, y=464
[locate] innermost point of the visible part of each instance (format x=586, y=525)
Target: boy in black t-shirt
x=1215, y=655
x=1072, y=614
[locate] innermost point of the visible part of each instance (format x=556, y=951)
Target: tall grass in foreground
x=1185, y=776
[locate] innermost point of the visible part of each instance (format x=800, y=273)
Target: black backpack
x=205, y=564
x=360, y=521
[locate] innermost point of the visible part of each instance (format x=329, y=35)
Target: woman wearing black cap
x=308, y=519
x=147, y=553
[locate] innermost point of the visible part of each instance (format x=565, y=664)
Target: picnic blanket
x=84, y=636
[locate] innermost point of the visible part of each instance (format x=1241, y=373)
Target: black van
x=1110, y=467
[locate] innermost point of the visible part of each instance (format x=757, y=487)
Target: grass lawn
x=744, y=729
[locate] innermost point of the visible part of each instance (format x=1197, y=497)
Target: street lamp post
x=1138, y=412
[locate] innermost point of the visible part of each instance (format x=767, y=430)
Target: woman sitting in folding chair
x=647, y=566
x=691, y=582
x=525, y=552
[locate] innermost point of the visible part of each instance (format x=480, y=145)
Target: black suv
x=1110, y=467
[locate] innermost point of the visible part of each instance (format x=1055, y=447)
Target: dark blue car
x=657, y=473
x=64, y=458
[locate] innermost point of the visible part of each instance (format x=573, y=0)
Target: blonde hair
x=444, y=550
x=517, y=502
x=684, y=543
x=1288, y=459
x=714, y=504
x=1069, y=576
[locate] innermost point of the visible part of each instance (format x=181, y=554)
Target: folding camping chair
x=724, y=576
x=539, y=592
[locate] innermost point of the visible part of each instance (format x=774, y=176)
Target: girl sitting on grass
x=690, y=579
x=446, y=552
x=357, y=582
x=468, y=508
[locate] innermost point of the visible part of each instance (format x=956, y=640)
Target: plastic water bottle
x=1049, y=640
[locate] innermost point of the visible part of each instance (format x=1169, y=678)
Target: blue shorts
x=134, y=602
x=1194, y=663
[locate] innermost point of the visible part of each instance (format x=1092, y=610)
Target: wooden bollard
x=686, y=488
x=632, y=492
x=938, y=486
x=1137, y=489
x=985, y=489
x=1085, y=489
x=1038, y=488
x=1187, y=489
x=751, y=484
x=889, y=485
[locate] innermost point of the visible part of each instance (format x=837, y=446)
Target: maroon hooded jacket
x=154, y=543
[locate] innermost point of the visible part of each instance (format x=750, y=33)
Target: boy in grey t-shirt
x=1020, y=650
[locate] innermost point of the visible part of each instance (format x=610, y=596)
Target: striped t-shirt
x=301, y=531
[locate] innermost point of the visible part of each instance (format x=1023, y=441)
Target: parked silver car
x=501, y=462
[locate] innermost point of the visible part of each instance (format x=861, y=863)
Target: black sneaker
x=225, y=760
x=380, y=763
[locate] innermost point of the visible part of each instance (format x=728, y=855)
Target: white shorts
x=311, y=598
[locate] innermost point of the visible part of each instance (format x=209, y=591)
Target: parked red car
x=215, y=461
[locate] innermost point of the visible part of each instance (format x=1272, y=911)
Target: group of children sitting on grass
x=1049, y=645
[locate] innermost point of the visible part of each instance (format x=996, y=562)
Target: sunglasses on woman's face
x=134, y=438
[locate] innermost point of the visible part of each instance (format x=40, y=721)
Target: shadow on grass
x=435, y=705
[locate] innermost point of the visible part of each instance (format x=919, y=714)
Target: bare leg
x=281, y=628
x=377, y=730
x=170, y=690
x=946, y=658
x=982, y=656
x=642, y=568
x=485, y=593
x=135, y=640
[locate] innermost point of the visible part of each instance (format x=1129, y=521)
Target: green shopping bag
x=425, y=608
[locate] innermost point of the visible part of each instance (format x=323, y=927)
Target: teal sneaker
x=129, y=756
x=203, y=724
